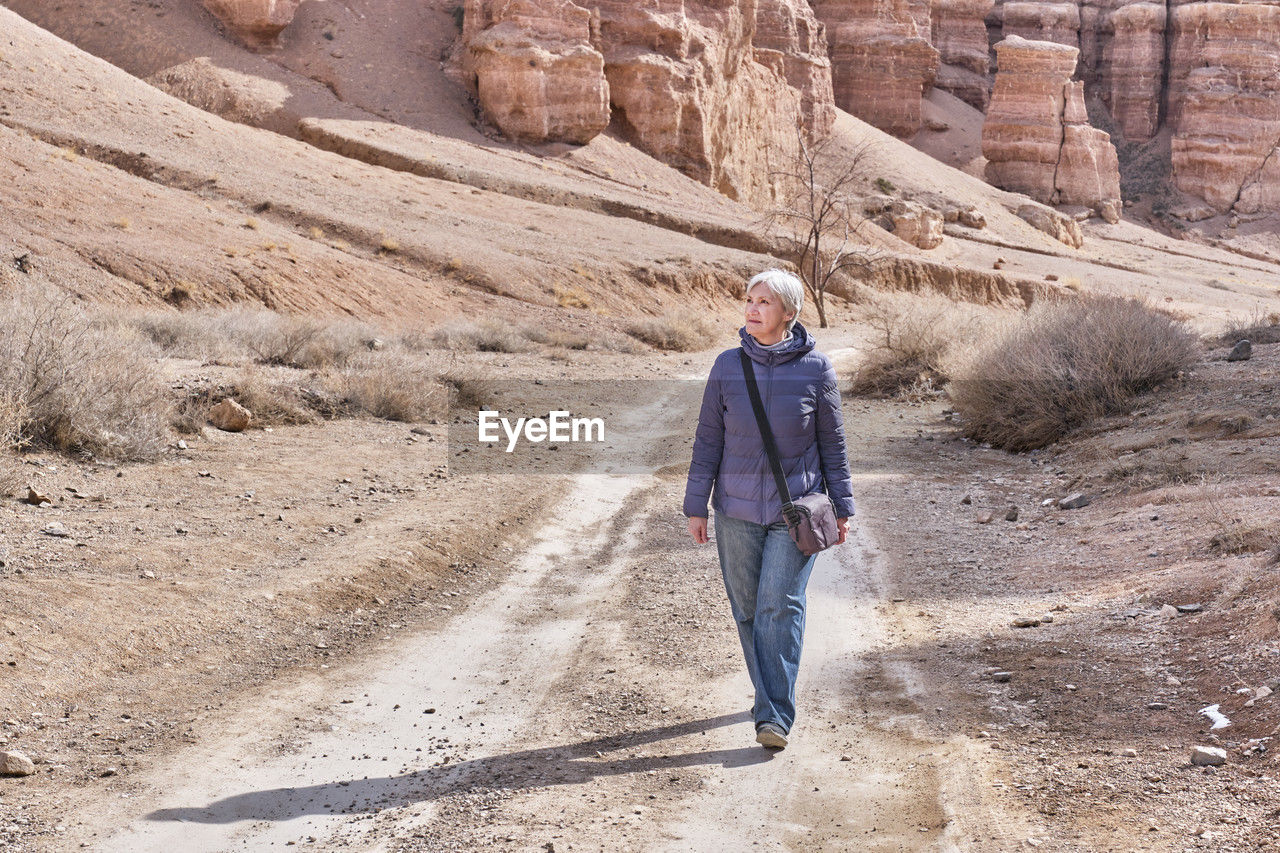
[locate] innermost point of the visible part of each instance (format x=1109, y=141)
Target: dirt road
x=595, y=699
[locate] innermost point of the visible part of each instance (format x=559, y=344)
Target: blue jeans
x=765, y=576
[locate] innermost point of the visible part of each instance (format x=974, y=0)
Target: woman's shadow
x=556, y=765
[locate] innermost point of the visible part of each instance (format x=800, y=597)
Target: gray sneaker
x=771, y=736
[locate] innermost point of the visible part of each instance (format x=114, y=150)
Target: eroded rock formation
x=1135, y=68
x=716, y=88
x=959, y=32
x=882, y=62
x=537, y=74
x=255, y=22
x=1037, y=137
x=790, y=40
x=1224, y=81
x=1055, y=22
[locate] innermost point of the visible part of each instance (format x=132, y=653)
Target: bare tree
x=819, y=211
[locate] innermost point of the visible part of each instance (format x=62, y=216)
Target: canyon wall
x=881, y=58
x=716, y=88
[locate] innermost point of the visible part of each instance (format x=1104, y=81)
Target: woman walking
x=765, y=573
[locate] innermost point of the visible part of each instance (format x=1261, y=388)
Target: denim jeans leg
x=779, y=622
x=765, y=577
x=740, y=545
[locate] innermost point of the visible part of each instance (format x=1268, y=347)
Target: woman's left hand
x=842, y=525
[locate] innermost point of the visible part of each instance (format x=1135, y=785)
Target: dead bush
x=674, y=332
x=1257, y=328
x=272, y=402
x=76, y=384
x=1066, y=364
x=910, y=344
x=274, y=339
x=196, y=335
x=10, y=473
x=393, y=387
x=484, y=336
x=1222, y=422
x=1156, y=468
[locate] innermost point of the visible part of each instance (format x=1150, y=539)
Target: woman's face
x=766, y=321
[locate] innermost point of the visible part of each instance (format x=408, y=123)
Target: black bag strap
x=766, y=433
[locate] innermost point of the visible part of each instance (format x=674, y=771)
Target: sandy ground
x=585, y=691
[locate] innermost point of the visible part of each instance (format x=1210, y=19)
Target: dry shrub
x=1240, y=537
x=1157, y=468
x=392, y=386
x=484, y=336
x=1257, y=328
x=274, y=339
x=674, y=332
x=77, y=385
x=910, y=344
x=1234, y=534
x=271, y=402
x=1223, y=422
x=1064, y=365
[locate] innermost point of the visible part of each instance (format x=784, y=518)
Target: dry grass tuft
x=571, y=297
x=1258, y=328
x=1225, y=422
x=674, y=332
x=908, y=355
x=74, y=384
x=484, y=336
x=1064, y=365
x=1157, y=468
x=392, y=386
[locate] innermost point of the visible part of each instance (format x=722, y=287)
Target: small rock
x=16, y=764
x=971, y=218
x=986, y=518
x=1026, y=622
x=182, y=445
x=230, y=416
x=1189, y=608
x=1050, y=277
x=966, y=500
x=1242, y=351
x=56, y=528
x=1046, y=618
x=1011, y=514
x=1130, y=753
x=1168, y=610
x=36, y=498
x=110, y=771
x=1208, y=756
x=846, y=758
x=1075, y=500
x=1001, y=677
x=1157, y=706
x=1261, y=693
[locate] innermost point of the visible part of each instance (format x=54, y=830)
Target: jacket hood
x=801, y=342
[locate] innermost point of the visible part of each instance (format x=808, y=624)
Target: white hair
x=786, y=287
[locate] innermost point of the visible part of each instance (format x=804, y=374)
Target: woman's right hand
x=698, y=530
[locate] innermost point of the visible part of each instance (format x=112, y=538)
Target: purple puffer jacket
x=798, y=388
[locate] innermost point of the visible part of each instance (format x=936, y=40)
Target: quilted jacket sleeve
x=831, y=445
x=708, y=447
